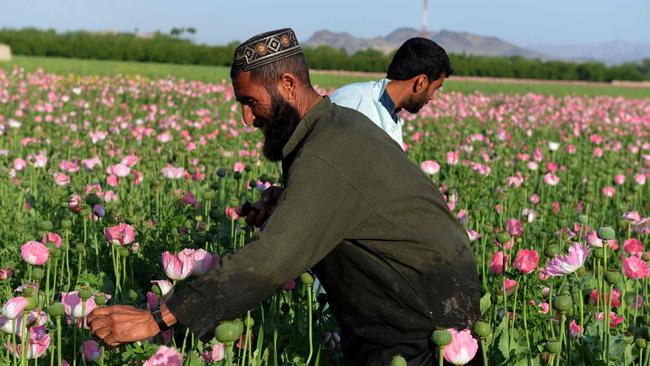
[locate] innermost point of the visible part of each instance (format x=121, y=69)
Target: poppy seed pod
x=607, y=233
x=563, y=303
x=56, y=310
x=441, y=337
x=553, y=346
x=482, y=329
x=398, y=361
x=226, y=332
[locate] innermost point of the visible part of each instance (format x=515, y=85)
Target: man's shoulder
x=358, y=91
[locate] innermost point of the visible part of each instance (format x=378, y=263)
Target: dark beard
x=278, y=129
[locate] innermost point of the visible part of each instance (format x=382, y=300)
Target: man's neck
x=307, y=102
x=397, y=93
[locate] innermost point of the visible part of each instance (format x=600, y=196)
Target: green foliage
x=172, y=48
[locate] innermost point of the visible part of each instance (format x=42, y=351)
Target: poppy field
x=122, y=189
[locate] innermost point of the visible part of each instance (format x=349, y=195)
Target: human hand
x=257, y=213
x=120, y=324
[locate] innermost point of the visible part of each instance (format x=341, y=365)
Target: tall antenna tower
x=425, y=17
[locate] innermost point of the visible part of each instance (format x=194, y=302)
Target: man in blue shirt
x=417, y=70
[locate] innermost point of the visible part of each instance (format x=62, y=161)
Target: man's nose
x=247, y=115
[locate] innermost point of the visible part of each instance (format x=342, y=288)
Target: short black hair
x=419, y=56
x=270, y=74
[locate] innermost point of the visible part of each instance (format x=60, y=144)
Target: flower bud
x=441, y=337
x=56, y=310
x=306, y=278
x=641, y=343
x=66, y=224
x=563, y=303
x=607, y=233
x=250, y=322
x=221, y=172
x=133, y=295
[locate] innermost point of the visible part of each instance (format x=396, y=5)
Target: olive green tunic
x=395, y=262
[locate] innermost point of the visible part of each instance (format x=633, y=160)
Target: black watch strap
x=157, y=315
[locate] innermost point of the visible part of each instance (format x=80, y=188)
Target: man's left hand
x=120, y=324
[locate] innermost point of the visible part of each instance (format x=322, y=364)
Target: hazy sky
x=523, y=22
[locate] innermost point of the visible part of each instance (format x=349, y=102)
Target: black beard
x=279, y=128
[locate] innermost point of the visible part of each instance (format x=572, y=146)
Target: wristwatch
x=157, y=316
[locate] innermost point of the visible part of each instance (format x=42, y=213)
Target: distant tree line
x=172, y=48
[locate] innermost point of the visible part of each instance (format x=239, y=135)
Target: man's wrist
x=167, y=316
x=163, y=317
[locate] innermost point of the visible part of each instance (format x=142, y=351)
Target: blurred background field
x=324, y=79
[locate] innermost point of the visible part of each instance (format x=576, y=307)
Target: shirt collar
x=388, y=103
x=306, y=124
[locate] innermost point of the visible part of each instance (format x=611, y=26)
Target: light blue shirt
x=366, y=98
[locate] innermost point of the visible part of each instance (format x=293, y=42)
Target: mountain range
x=463, y=42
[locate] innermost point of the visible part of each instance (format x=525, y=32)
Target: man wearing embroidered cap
x=395, y=262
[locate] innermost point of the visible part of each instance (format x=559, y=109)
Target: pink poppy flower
x=204, y=262
x=121, y=234
x=463, y=347
x=37, y=344
x=619, y=179
x=565, y=264
x=633, y=246
x=178, y=266
x=497, y=264
x=165, y=356
x=514, y=227
x=574, y=329
x=526, y=260
x=452, y=157
x=608, y=191
x=430, y=167
x=635, y=267
x=214, y=354
x=34, y=253
x=614, y=320
x=91, y=351
x=640, y=179
x=594, y=240
x=61, y=179
x=551, y=179
x=52, y=238
x=594, y=299
x=171, y=172
x=510, y=285
x=14, y=307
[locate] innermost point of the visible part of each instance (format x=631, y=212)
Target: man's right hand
x=257, y=213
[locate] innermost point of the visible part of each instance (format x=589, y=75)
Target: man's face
x=269, y=112
x=419, y=100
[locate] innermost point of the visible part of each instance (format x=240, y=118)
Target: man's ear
x=287, y=86
x=420, y=83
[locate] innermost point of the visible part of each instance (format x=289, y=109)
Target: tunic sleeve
x=318, y=208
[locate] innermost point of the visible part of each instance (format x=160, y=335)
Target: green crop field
x=323, y=79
